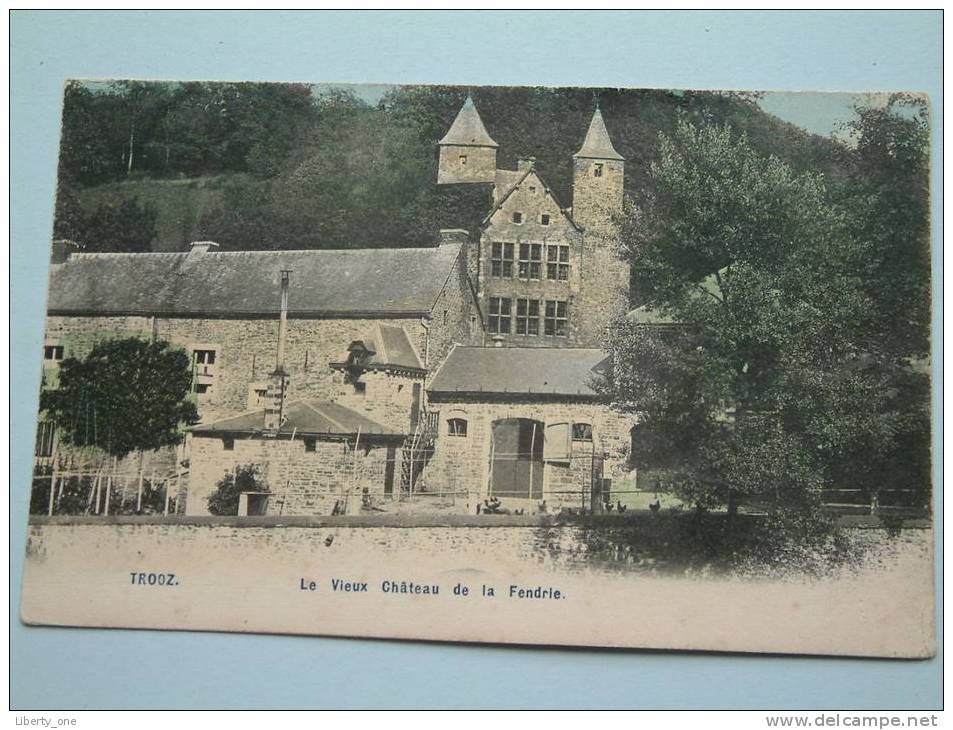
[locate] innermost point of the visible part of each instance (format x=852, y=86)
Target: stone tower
x=467, y=152
x=598, y=175
x=598, y=180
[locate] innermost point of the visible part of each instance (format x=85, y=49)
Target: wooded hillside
x=259, y=166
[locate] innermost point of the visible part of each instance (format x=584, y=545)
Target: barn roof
x=348, y=282
x=303, y=418
x=520, y=370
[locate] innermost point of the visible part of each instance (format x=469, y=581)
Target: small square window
x=360, y=388
x=54, y=353
x=597, y=170
x=517, y=218
x=532, y=188
x=457, y=427
x=463, y=160
x=202, y=388
x=582, y=432
x=310, y=445
x=544, y=219
x=205, y=357
x=228, y=444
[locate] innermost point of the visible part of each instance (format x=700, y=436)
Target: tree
x=224, y=500
x=776, y=379
x=127, y=395
x=126, y=227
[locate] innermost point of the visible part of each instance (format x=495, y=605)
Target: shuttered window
x=558, y=442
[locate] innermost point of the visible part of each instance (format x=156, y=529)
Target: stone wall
x=302, y=482
x=463, y=463
x=532, y=199
x=480, y=165
x=454, y=319
x=595, y=200
x=604, y=291
x=244, y=350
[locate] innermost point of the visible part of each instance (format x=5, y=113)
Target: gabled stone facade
x=546, y=275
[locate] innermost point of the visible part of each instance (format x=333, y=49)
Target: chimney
x=62, y=249
x=525, y=163
x=278, y=381
x=453, y=235
x=198, y=247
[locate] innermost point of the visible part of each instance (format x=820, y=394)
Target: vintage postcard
x=563, y=366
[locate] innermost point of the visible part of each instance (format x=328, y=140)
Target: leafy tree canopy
x=126, y=395
x=782, y=376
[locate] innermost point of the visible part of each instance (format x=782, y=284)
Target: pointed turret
x=467, y=129
x=598, y=178
x=467, y=151
x=597, y=145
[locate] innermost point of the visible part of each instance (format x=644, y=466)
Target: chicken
x=620, y=507
x=656, y=505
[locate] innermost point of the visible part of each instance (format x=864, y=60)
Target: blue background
x=81, y=668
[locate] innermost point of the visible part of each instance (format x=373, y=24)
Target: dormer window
x=544, y=219
x=517, y=218
x=597, y=170
x=358, y=354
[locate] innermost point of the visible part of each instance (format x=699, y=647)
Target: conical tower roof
x=467, y=129
x=597, y=144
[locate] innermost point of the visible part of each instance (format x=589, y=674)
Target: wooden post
x=92, y=492
x=95, y=492
x=53, y=476
x=52, y=493
x=142, y=455
x=109, y=485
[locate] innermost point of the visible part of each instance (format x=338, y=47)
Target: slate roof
x=597, y=144
x=467, y=129
x=392, y=346
x=304, y=418
x=394, y=281
x=520, y=370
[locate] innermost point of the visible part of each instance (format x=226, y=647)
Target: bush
x=224, y=500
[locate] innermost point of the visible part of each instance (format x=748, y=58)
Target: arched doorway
x=517, y=460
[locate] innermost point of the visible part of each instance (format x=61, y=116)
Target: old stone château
x=458, y=376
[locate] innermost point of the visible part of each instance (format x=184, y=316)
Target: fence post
x=52, y=493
